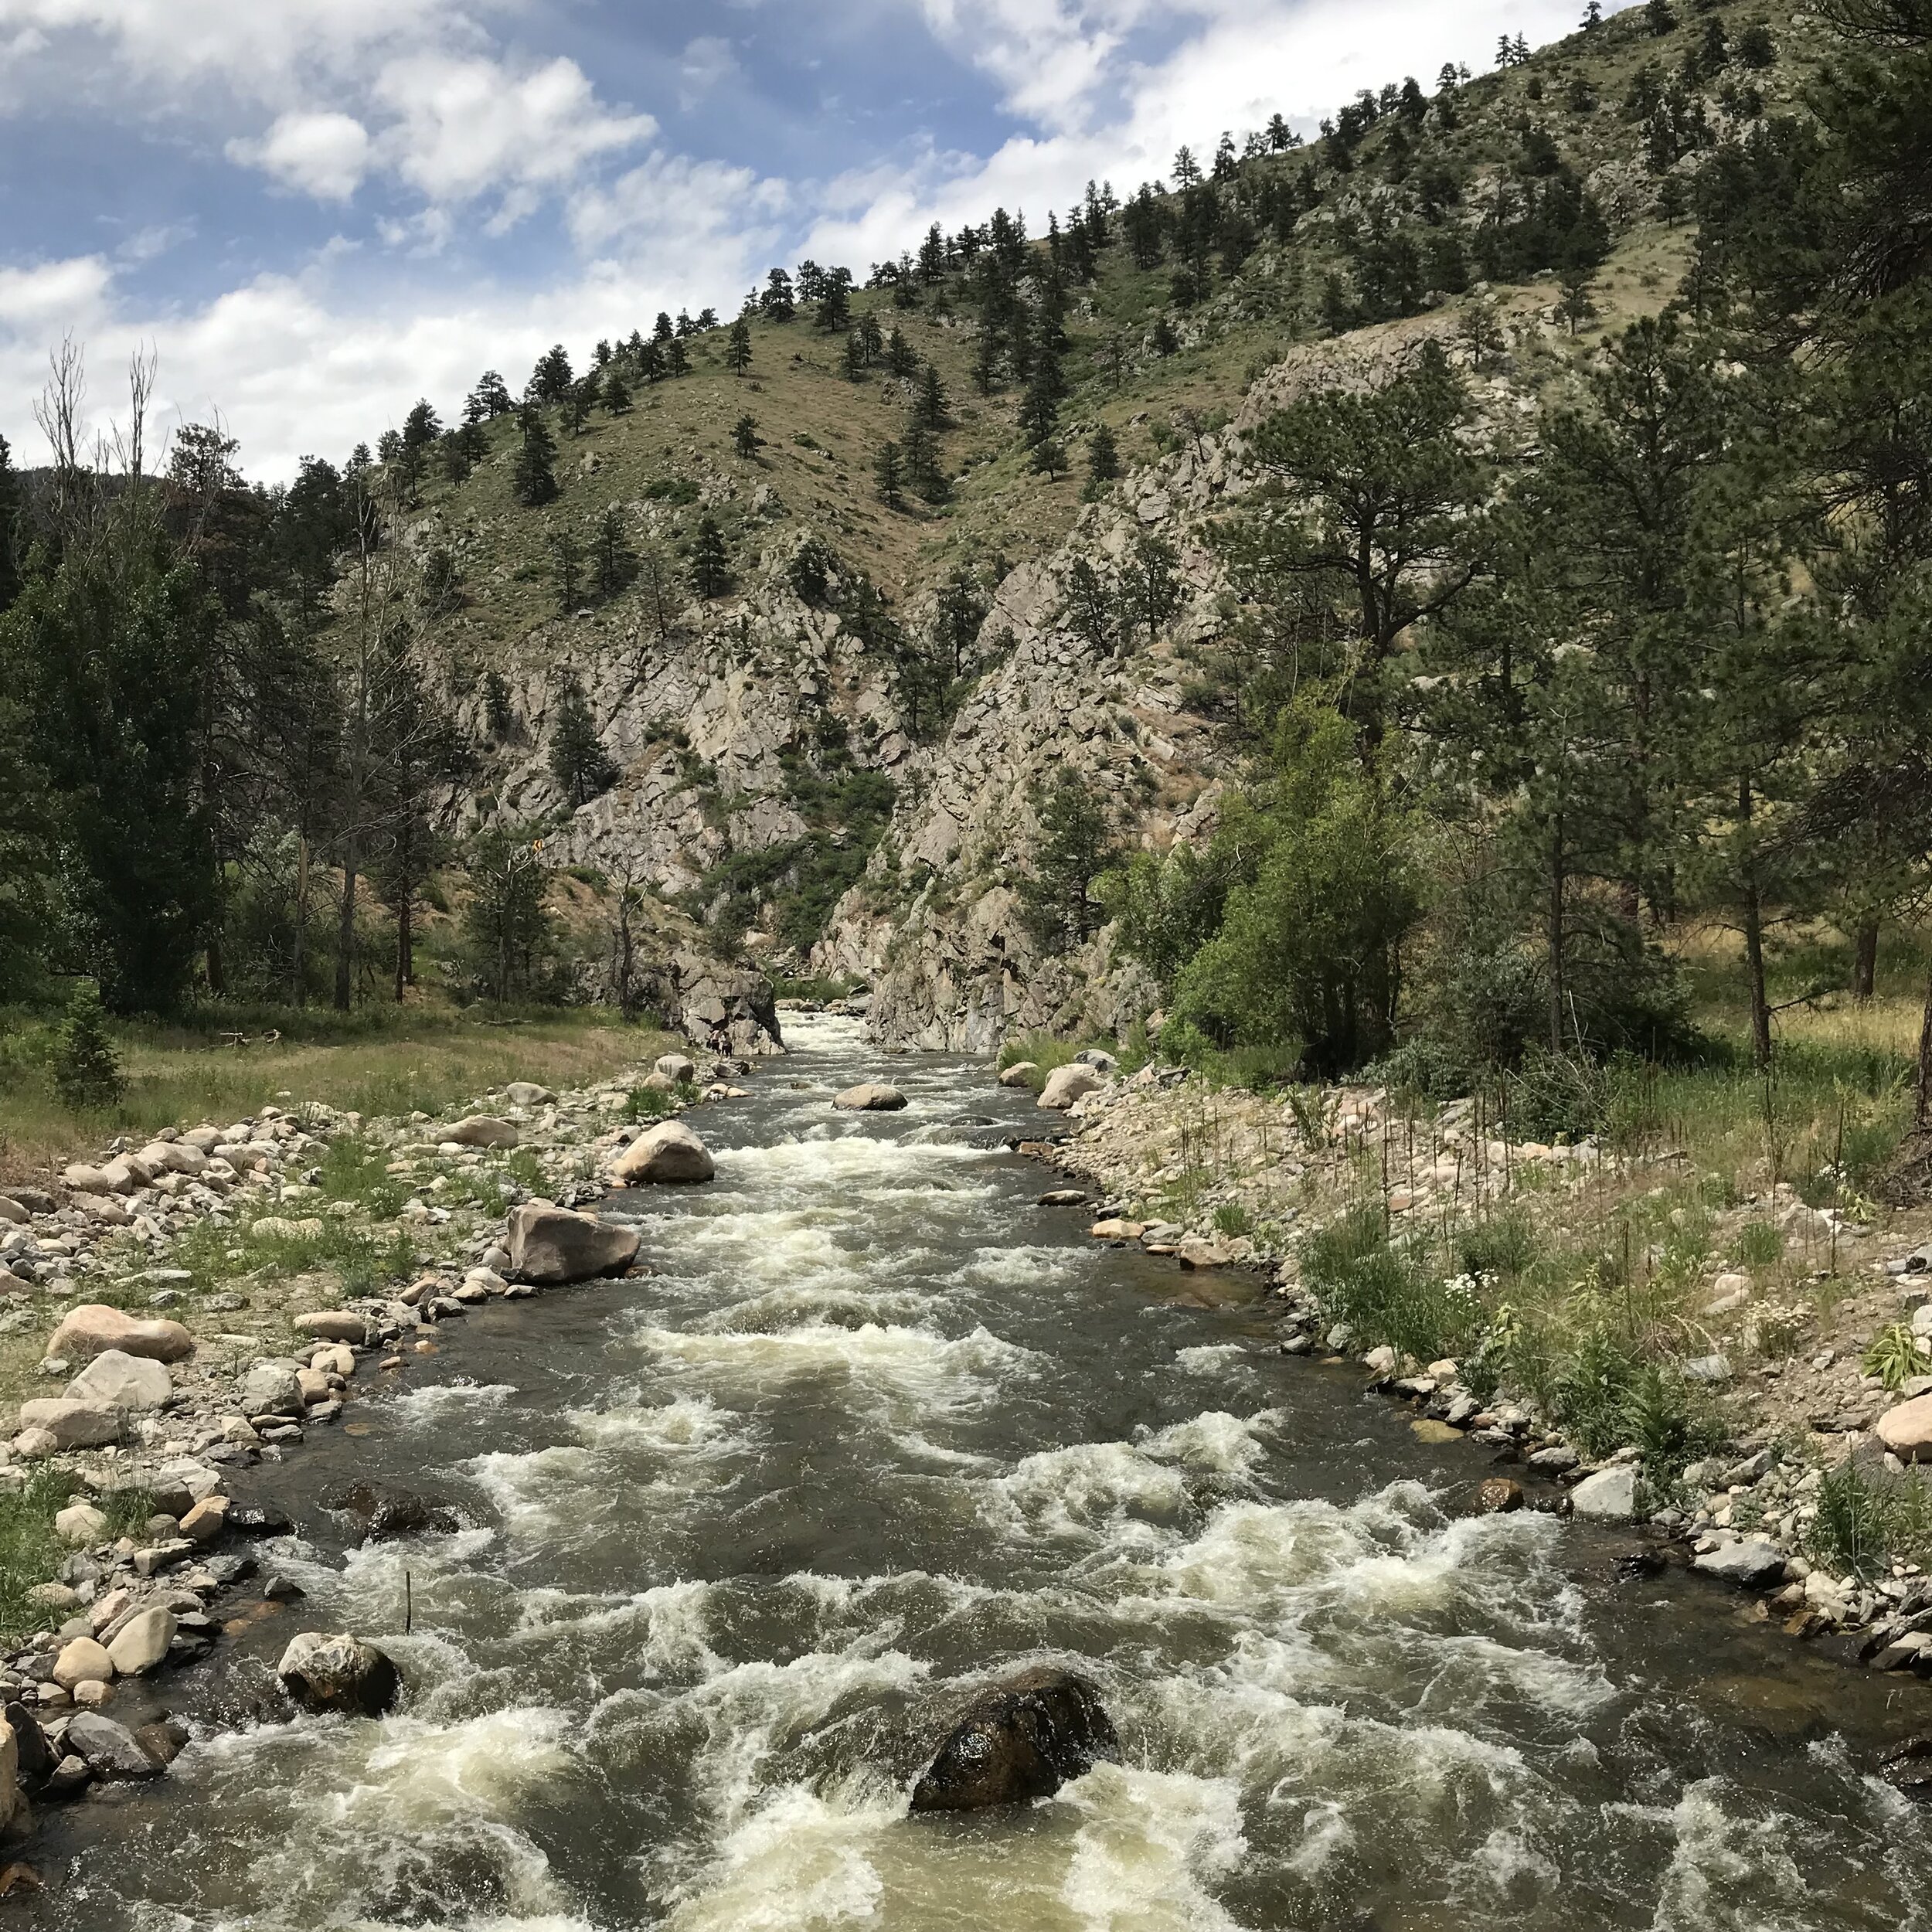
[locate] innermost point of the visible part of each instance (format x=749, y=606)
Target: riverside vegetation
x=1414, y=638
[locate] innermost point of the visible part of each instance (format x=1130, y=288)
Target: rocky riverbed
x=149, y=1422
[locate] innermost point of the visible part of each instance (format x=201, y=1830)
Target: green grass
x=1861, y=1528
x=30, y=1552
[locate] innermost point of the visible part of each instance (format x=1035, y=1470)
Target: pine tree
x=745, y=439
x=901, y=357
x=86, y=1070
x=550, y=380
x=776, y=302
x=616, y=391
x=889, y=473
x=492, y=395
x=738, y=350
x=1150, y=585
x=534, y=478
x=1089, y=608
x=1594, y=16
x=1576, y=308
x=567, y=567
x=1186, y=170
x=932, y=408
x=1102, y=459
x=1047, y=458
x=579, y=763
x=853, y=358
x=613, y=559
x=9, y=529
x=1076, y=845
x=922, y=471
x=710, y=561
x=1659, y=17
x=505, y=922
x=677, y=358
x=871, y=341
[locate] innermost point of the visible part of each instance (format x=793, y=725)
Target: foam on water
x=438, y=1404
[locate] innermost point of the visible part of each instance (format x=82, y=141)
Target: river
x=879, y=1421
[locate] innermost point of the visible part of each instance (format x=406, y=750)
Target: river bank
x=866, y=1421
x=1781, y=1465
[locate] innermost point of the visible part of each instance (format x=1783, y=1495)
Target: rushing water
x=878, y=1421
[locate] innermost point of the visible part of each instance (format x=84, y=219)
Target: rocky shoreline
x=151, y=1420
x=1742, y=1516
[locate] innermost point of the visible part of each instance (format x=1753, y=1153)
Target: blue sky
x=313, y=211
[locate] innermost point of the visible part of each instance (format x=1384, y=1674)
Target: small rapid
x=876, y=1423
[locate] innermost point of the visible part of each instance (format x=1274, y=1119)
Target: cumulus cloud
x=707, y=63
x=323, y=154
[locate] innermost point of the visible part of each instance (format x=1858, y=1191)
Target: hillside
x=768, y=743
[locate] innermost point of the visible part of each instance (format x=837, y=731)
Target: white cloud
x=323, y=154
x=707, y=63
x=463, y=127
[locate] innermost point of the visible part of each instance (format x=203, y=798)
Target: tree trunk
x=1864, y=959
x=298, y=964
x=1754, y=939
x=402, y=946
x=1556, y=859
x=345, y=934
x=1922, y=1107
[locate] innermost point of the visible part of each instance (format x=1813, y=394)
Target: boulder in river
x=386, y=1513
x=327, y=1672
x=1066, y=1084
x=1753, y=1563
x=93, y=1328
x=1017, y=1739
x=109, y=1749
x=1610, y=1493
x=142, y=1641
x=1019, y=1074
x=554, y=1244
x=1498, y=1496
x=670, y=1152
x=870, y=1096
x=1907, y=1766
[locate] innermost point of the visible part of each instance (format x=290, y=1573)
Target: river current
x=878, y=1423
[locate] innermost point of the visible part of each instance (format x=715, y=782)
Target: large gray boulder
x=677, y=1068
x=552, y=1244
x=1751, y=1564
x=269, y=1389
x=1066, y=1084
x=73, y=1425
x=482, y=1130
x=1610, y=1494
x=93, y=1328
x=1016, y=1740
x=115, y=1380
x=142, y=1641
x=324, y=1672
x=870, y=1096
x=669, y=1153
x=109, y=1749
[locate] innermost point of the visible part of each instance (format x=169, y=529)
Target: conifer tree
x=745, y=439
x=677, y=358
x=776, y=302
x=1076, y=845
x=613, y=559
x=901, y=357
x=710, y=562
x=1103, y=460
x=550, y=380
x=932, y=407
x=9, y=529
x=492, y=395
x=579, y=763
x=924, y=474
x=871, y=341
x=738, y=350
x=852, y=358
x=567, y=567
x=86, y=1070
x=616, y=391
x=889, y=473
x=534, y=478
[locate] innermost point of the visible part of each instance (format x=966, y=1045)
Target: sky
x=312, y=212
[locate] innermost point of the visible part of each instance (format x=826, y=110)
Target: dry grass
x=176, y=1078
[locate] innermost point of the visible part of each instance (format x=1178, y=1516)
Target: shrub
x=1851, y=1534
x=1758, y=1244
x=87, y=1070
x=1894, y=1356
x=1386, y=1298
x=1593, y=1390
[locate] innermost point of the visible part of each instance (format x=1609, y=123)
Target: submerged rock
x=1017, y=1740
x=109, y=1749
x=386, y=1513
x=325, y=1671
x=1908, y=1768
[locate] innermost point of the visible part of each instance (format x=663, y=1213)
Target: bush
x=1384, y=1297
x=86, y=1071
x=1853, y=1533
